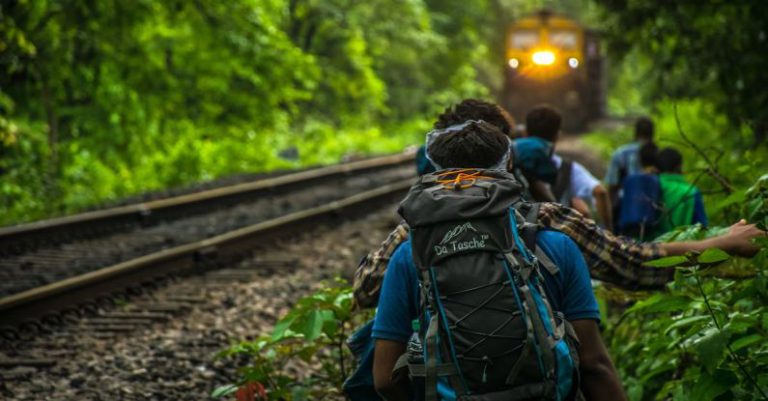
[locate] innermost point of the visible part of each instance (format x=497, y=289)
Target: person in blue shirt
x=641, y=200
x=570, y=289
x=625, y=161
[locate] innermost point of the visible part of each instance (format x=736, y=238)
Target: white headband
x=436, y=133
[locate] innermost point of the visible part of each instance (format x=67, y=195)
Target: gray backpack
x=487, y=327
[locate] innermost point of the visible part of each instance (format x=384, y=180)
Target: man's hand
x=738, y=240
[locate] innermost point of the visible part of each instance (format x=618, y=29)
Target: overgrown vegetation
x=101, y=99
x=306, y=356
x=705, y=337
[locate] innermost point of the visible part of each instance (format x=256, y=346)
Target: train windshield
x=524, y=39
x=565, y=40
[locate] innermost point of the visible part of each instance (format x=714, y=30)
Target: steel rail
x=196, y=256
x=13, y=238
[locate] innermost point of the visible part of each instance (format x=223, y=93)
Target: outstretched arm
x=619, y=260
x=599, y=380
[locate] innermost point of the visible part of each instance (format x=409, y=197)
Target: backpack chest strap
x=546, y=262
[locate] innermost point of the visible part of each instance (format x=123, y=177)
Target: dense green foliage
x=99, y=99
x=706, y=337
x=709, y=49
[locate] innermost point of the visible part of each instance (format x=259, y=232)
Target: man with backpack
x=501, y=306
x=574, y=185
x=641, y=200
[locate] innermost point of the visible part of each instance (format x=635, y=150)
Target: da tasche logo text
x=449, y=243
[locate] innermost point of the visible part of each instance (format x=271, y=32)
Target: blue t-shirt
x=699, y=214
x=625, y=161
x=570, y=290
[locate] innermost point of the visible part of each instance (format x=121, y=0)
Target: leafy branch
x=712, y=165
x=314, y=332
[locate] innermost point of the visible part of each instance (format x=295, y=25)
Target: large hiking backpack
x=487, y=327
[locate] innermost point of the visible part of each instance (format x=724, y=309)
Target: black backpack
x=486, y=322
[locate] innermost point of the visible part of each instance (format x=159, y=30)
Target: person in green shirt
x=682, y=202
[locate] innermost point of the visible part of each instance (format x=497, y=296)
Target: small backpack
x=487, y=327
x=640, y=206
x=533, y=155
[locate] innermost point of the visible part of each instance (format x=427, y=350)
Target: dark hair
x=648, y=154
x=670, y=161
x=478, y=145
x=543, y=122
x=644, y=128
x=476, y=109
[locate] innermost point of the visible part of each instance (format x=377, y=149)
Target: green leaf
x=687, y=321
x=712, y=256
x=222, y=391
x=282, y=326
x=669, y=261
x=732, y=199
x=312, y=324
x=745, y=342
x=708, y=387
x=662, y=303
x=635, y=392
x=711, y=347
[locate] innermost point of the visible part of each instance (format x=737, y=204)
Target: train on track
x=555, y=60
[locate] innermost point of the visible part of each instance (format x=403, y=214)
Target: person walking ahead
x=625, y=160
x=682, y=202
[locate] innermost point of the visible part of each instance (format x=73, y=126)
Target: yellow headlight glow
x=544, y=57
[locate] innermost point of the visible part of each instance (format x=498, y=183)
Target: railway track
x=162, y=344
x=51, y=276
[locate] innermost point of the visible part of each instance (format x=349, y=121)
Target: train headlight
x=573, y=62
x=544, y=57
x=514, y=63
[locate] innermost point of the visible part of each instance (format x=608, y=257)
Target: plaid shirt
x=612, y=259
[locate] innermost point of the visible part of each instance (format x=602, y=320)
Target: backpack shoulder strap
x=530, y=226
x=563, y=181
x=529, y=232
